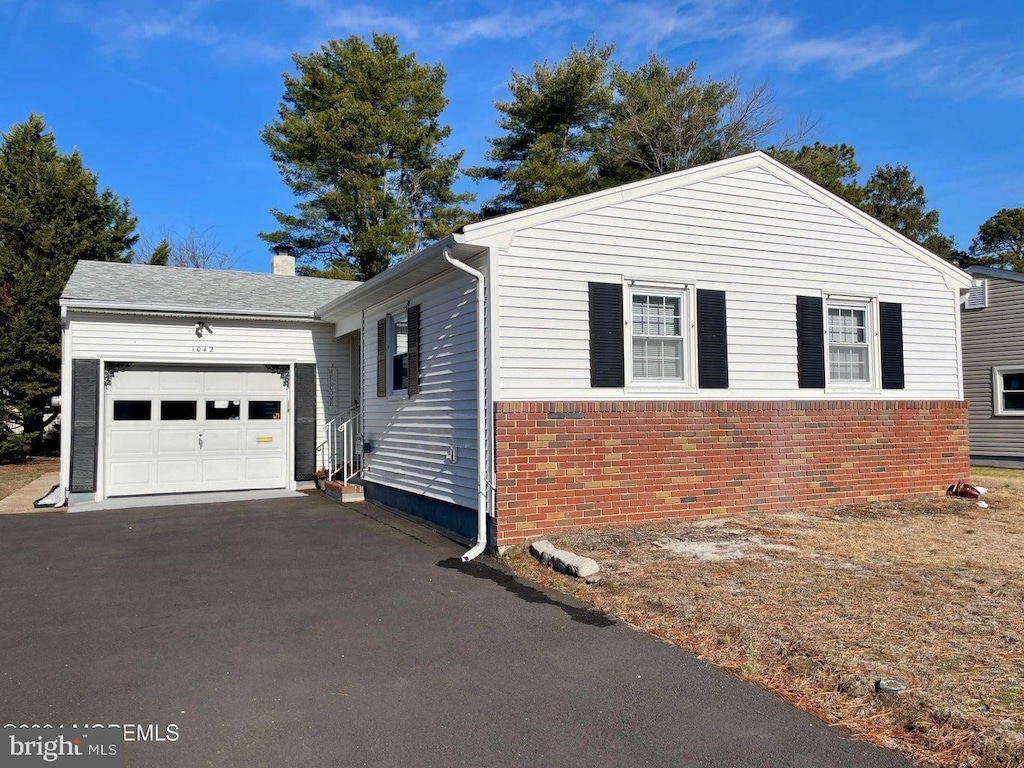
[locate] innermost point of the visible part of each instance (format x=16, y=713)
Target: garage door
x=174, y=431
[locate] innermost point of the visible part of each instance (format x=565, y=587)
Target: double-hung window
x=850, y=337
x=1008, y=391
x=659, y=325
x=399, y=352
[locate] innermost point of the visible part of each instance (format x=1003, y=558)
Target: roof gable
x=498, y=232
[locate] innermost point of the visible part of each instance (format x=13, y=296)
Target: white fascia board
x=413, y=271
x=84, y=305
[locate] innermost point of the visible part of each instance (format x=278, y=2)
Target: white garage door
x=175, y=431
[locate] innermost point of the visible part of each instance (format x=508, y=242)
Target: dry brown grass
x=14, y=476
x=825, y=602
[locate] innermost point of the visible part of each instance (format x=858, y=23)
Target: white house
x=723, y=339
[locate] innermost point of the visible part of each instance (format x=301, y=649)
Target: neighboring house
x=992, y=329
x=724, y=339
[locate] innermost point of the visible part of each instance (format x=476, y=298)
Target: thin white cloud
x=366, y=18
x=127, y=33
x=762, y=35
x=510, y=25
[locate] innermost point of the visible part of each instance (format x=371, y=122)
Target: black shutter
x=712, y=341
x=305, y=421
x=414, y=350
x=382, y=357
x=85, y=411
x=810, y=343
x=891, y=321
x=607, y=364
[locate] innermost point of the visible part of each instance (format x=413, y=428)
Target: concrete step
x=343, y=491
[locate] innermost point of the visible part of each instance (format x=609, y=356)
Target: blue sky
x=165, y=98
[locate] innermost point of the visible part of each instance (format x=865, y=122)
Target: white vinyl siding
x=412, y=437
x=750, y=234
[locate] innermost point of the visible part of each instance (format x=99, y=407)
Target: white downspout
x=481, y=412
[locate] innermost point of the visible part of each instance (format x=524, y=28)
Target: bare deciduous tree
x=195, y=249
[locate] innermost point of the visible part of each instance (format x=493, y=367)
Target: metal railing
x=340, y=454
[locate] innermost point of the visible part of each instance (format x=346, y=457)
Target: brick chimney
x=283, y=260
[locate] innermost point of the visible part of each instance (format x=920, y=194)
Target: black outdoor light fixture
x=201, y=326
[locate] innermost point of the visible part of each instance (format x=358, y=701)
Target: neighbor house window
x=849, y=342
x=1008, y=391
x=658, y=336
x=399, y=352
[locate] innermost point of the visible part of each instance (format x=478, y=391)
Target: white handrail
x=337, y=453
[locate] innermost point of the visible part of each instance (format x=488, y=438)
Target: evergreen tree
x=1000, y=241
x=51, y=216
x=161, y=254
x=552, y=125
x=830, y=166
x=663, y=119
x=358, y=139
x=893, y=196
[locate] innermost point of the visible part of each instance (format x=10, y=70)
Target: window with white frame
x=1008, y=391
x=850, y=337
x=659, y=335
x=399, y=352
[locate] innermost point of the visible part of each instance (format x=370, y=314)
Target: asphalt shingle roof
x=139, y=286
x=1004, y=274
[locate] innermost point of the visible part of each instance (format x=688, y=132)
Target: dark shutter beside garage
x=305, y=421
x=382, y=357
x=810, y=343
x=890, y=317
x=414, y=350
x=607, y=364
x=85, y=410
x=712, y=343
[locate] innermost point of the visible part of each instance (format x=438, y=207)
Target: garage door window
x=132, y=410
x=262, y=410
x=178, y=410
x=223, y=410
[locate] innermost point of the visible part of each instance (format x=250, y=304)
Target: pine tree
x=552, y=126
x=830, y=166
x=161, y=254
x=358, y=139
x=664, y=119
x=51, y=216
x=893, y=196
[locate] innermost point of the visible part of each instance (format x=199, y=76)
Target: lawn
x=14, y=476
x=818, y=605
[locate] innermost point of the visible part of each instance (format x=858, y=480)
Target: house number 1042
x=201, y=348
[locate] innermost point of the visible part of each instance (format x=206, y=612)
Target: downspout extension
x=481, y=412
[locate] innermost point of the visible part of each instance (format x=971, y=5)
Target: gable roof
x=498, y=232
x=148, y=288
x=1002, y=274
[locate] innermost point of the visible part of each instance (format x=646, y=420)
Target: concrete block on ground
x=564, y=561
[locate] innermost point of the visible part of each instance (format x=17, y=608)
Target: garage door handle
x=200, y=442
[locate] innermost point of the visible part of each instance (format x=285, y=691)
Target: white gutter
x=481, y=412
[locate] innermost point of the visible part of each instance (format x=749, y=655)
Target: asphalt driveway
x=301, y=632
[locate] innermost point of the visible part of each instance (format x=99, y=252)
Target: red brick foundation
x=562, y=465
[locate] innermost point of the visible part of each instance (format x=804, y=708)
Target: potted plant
x=320, y=477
